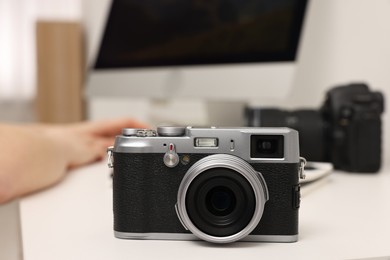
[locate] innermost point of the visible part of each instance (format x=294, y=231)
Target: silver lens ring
x=238, y=165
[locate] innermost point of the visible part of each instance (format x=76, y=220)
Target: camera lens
x=221, y=198
x=220, y=201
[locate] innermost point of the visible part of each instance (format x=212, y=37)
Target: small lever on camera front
x=171, y=159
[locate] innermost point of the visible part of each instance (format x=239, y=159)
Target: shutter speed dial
x=171, y=130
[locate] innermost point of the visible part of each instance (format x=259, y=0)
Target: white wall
x=345, y=41
x=17, y=41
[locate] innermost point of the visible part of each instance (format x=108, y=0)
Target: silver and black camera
x=216, y=184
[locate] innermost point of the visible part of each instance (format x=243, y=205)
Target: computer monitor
x=231, y=50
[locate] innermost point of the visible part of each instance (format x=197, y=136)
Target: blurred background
x=18, y=83
x=18, y=52
x=45, y=50
x=46, y=47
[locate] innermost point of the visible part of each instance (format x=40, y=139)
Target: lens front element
x=221, y=198
x=220, y=201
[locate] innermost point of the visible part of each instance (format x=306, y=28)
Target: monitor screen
x=154, y=33
x=241, y=51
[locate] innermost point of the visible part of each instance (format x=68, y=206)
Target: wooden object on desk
x=60, y=72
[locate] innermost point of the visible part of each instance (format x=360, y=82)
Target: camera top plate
x=235, y=141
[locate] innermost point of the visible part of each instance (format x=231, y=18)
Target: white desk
x=347, y=217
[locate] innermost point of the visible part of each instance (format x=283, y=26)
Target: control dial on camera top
x=171, y=130
x=138, y=132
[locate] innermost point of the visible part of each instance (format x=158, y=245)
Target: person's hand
x=37, y=156
x=87, y=142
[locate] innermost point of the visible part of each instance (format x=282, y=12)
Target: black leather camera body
x=216, y=184
x=346, y=130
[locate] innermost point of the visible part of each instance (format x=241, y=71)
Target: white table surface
x=345, y=216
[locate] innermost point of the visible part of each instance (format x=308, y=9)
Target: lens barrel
x=221, y=198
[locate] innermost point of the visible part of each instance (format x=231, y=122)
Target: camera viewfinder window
x=267, y=146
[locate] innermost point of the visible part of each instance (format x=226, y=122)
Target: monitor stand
x=226, y=113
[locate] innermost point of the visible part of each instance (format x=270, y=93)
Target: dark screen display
x=143, y=33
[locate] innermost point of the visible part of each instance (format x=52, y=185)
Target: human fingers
x=88, y=150
x=110, y=127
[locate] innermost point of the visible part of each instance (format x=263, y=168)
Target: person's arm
x=37, y=156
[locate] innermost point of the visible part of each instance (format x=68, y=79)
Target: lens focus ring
x=231, y=163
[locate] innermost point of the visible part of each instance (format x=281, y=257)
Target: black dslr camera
x=346, y=130
x=216, y=184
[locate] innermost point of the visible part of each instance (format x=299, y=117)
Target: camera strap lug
x=302, y=163
x=110, y=157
